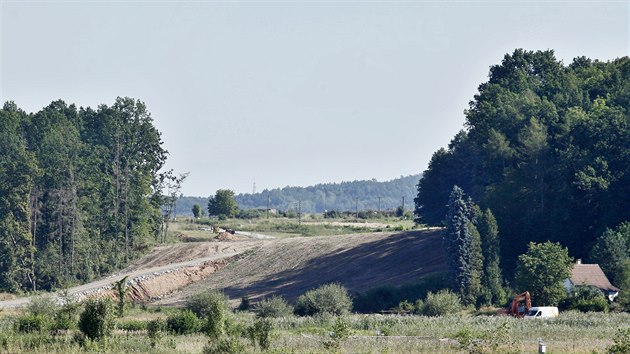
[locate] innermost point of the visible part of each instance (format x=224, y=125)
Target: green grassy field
x=309, y=225
x=570, y=333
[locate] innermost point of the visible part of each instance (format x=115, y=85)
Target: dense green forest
x=80, y=191
x=330, y=196
x=546, y=147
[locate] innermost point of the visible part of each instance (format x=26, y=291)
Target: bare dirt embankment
x=164, y=270
x=287, y=267
x=291, y=266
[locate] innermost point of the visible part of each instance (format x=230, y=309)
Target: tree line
x=546, y=147
x=80, y=191
x=344, y=196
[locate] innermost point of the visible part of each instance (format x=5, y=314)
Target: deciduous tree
x=542, y=271
x=222, y=204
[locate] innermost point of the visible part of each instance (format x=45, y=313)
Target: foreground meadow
x=572, y=332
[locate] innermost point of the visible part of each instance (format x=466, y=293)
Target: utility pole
x=356, y=208
x=379, y=205
x=299, y=212
x=268, y=206
x=403, y=205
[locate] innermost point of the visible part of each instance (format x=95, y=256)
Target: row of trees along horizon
x=344, y=196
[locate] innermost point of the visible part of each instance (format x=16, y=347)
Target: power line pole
x=403, y=205
x=299, y=212
x=379, y=205
x=356, y=208
x=268, y=205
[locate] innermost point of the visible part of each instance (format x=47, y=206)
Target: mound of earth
x=291, y=266
x=225, y=236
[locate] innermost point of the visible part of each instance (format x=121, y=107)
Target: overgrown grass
x=572, y=332
x=313, y=227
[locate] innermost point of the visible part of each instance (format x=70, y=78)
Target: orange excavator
x=520, y=304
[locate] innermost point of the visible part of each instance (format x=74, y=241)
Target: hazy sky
x=289, y=93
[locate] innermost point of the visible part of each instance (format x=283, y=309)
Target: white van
x=542, y=312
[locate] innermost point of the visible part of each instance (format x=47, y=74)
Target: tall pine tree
x=492, y=277
x=463, y=248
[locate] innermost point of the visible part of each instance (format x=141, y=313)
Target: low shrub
x=184, y=322
x=487, y=340
x=341, y=330
x=404, y=307
x=155, y=330
x=43, y=305
x=621, y=342
x=245, y=304
x=132, y=325
x=327, y=299
x=261, y=333
x=275, y=306
x=32, y=323
x=442, y=303
x=224, y=345
x=204, y=303
x=97, y=319
x=65, y=317
x=386, y=297
x=585, y=299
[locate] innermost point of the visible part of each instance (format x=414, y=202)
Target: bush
x=260, y=333
x=31, y=323
x=386, y=297
x=245, y=303
x=340, y=332
x=185, y=322
x=132, y=326
x=97, y=319
x=487, y=340
x=43, y=306
x=213, y=307
x=65, y=317
x=404, y=307
x=585, y=299
x=275, y=306
x=330, y=298
x=224, y=345
x=203, y=304
x=155, y=329
x=622, y=342
x=443, y=302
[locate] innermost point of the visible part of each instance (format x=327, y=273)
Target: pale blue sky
x=289, y=93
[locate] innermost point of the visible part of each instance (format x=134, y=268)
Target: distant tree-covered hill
x=329, y=196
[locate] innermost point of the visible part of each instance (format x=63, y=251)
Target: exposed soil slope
x=291, y=266
x=163, y=271
x=287, y=267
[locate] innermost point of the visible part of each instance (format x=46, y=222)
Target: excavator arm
x=524, y=297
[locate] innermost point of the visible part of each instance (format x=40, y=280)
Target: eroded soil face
x=291, y=266
x=258, y=268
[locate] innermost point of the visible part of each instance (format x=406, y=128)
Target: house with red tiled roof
x=591, y=275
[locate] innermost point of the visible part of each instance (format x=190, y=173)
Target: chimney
x=578, y=261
